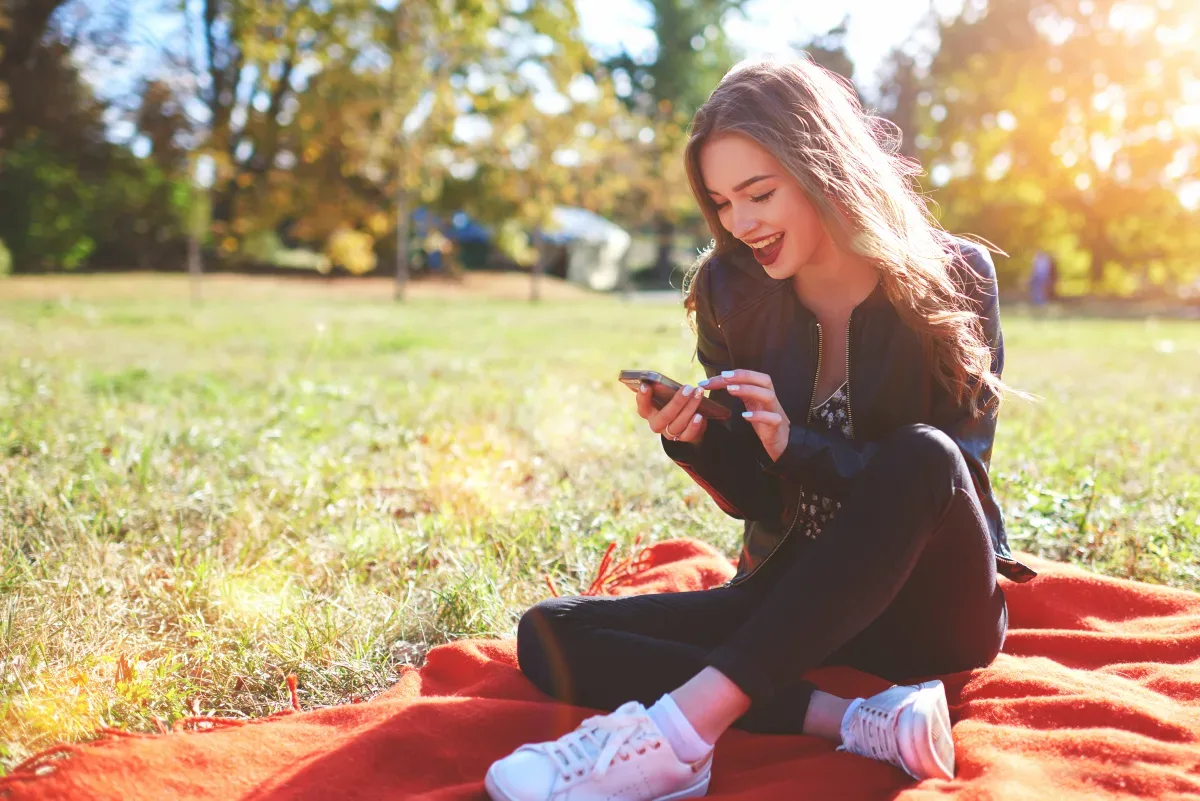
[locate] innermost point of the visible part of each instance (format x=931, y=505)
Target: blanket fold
x=1096, y=696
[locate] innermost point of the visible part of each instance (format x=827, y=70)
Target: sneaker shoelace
x=598, y=742
x=872, y=732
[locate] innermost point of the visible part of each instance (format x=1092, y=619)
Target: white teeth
x=764, y=243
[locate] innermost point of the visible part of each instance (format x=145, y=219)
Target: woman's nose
x=743, y=225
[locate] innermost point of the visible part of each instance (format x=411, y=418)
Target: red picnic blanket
x=1096, y=696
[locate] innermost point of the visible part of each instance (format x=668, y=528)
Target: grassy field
x=197, y=501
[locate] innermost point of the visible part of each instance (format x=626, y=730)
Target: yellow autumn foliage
x=352, y=250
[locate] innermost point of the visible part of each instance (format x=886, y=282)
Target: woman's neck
x=835, y=282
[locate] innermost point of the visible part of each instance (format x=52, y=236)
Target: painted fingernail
x=703, y=383
x=696, y=419
x=747, y=415
x=734, y=387
x=644, y=388
x=727, y=374
x=688, y=390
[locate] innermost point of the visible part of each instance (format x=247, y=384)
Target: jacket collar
x=877, y=299
x=751, y=272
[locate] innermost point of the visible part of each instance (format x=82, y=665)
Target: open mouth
x=767, y=250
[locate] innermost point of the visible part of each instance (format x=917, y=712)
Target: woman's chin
x=780, y=269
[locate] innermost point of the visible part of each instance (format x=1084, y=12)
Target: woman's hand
x=678, y=419
x=763, y=410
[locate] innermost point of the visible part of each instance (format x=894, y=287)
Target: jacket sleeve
x=727, y=462
x=826, y=463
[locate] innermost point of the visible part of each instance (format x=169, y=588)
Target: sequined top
x=816, y=509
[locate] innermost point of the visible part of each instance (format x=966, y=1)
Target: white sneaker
x=908, y=726
x=618, y=757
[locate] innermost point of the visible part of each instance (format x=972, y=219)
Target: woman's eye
x=720, y=206
x=763, y=198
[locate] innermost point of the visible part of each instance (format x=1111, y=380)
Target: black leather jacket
x=746, y=319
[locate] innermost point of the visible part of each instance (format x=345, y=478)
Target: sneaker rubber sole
x=699, y=789
x=929, y=748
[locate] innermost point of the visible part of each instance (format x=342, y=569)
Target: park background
x=227, y=454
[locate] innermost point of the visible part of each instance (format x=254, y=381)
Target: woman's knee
x=927, y=451
x=540, y=636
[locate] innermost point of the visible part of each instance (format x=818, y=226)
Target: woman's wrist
x=780, y=443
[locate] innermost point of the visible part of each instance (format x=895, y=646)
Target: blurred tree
x=829, y=50
x=160, y=117
x=352, y=250
x=69, y=195
x=46, y=96
x=45, y=209
x=140, y=213
x=491, y=113
x=1063, y=124
x=256, y=57
x=897, y=100
x=665, y=88
x=22, y=25
x=897, y=96
x=112, y=208
x=691, y=56
x=5, y=25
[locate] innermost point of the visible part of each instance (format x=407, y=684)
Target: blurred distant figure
x=437, y=248
x=1044, y=279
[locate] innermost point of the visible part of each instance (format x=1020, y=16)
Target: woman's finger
x=752, y=394
x=761, y=418
x=686, y=414
x=645, y=401
x=673, y=408
x=773, y=431
x=695, y=428
x=682, y=420
x=748, y=377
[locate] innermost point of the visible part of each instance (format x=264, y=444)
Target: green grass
x=196, y=502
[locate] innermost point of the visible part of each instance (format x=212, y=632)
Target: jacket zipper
x=811, y=405
x=849, y=408
x=849, y=418
x=817, y=372
x=800, y=496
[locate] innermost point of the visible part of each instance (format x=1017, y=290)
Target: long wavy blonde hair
x=847, y=163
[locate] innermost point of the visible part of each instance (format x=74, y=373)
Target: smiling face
x=762, y=205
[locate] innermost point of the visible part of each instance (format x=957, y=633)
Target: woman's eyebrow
x=744, y=183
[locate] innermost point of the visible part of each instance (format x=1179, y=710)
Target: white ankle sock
x=682, y=737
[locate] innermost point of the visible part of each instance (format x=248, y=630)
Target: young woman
x=860, y=347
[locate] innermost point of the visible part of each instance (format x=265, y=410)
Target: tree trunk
x=20, y=36
x=1096, y=272
x=535, y=279
x=625, y=282
x=401, y=243
x=195, y=266
x=535, y=274
x=664, y=265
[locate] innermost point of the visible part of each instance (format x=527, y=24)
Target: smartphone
x=662, y=389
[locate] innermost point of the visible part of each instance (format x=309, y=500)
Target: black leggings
x=900, y=584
